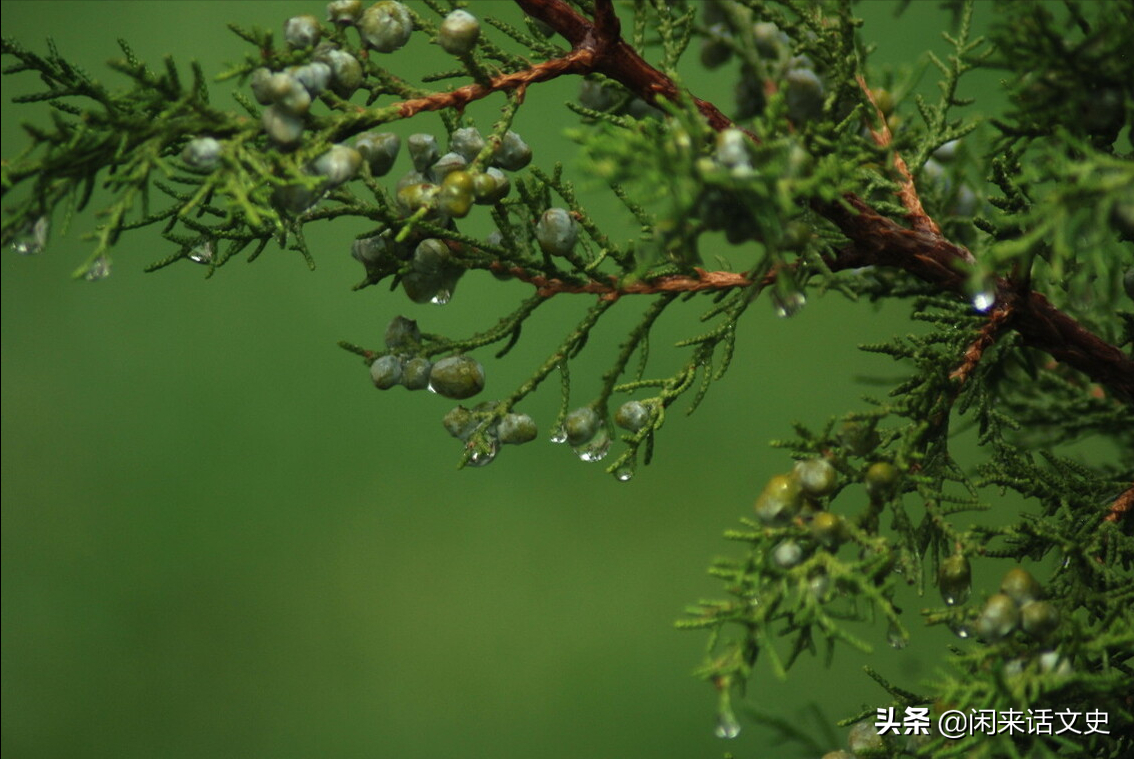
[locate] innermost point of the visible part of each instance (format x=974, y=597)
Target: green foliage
x=1019, y=301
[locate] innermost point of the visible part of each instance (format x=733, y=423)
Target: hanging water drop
x=895, y=637
x=788, y=304
x=485, y=456
x=559, y=435
x=33, y=239
x=203, y=253
x=961, y=629
x=594, y=450
x=727, y=726
x=99, y=269
x=441, y=297
x=624, y=473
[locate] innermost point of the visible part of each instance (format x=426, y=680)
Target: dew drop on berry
x=594, y=450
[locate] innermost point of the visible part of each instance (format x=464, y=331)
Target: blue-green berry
x=457, y=377
x=294, y=198
x=338, y=165
x=431, y=256
x=805, y=94
x=379, y=150
x=288, y=94
x=513, y=154
x=344, y=12
x=386, y=371
x=557, y=232
x=459, y=32
x=771, y=43
x=402, y=334
x=581, y=425
x=315, y=76
x=386, y=26
x=597, y=96
x=632, y=415
x=421, y=287
x=460, y=423
x=202, y=153
x=302, y=31
x=787, y=554
x=346, y=72
x=467, y=142
x=715, y=48
x=516, y=429
x=816, y=476
x=446, y=165
x=415, y=373
x=423, y=151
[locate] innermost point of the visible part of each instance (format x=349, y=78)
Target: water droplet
x=32, y=241
x=960, y=629
x=820, y=586
x=203, y=253
x=624, y=473
x=896, y=638
x=984, y=300
x=485, y=456
x=596, y=449
x=441, y=297
x=727, y=726
x=559, y=435
x=788, y=304
x=99, y=269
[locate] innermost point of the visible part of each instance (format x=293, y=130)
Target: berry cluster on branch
x=819, y=181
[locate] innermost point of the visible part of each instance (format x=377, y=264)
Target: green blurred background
x=220, y=540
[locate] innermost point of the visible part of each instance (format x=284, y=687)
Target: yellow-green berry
x=1039, y=619
x=998, y=618
x=881, y=479
x=780, y=500
x=954, y=579
x=1020, y=586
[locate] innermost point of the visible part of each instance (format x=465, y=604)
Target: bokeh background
x=220, y=540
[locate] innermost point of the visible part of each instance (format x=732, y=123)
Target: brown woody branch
x=1121, y=507
x=615, y=288
x=921, y=250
